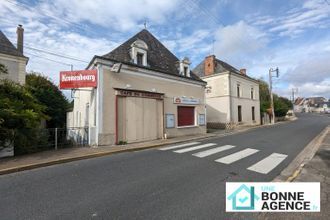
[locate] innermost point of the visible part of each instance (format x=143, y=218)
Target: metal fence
x=24, y=141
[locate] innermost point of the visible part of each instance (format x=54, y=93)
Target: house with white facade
x=12, y=58
x=232, y=97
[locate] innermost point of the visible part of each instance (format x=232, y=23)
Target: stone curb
x=101, y=154
x=92, y=155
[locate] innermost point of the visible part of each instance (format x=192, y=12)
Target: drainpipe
x=230, y=98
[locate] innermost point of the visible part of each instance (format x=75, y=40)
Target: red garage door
x=186, y=116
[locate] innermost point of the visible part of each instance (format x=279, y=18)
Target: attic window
x=184, y=67
x=138, y=52
x=139, y=58
x=185, y=70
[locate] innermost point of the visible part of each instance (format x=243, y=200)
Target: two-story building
x=232, y=97
x=143, y=92
x=12, y=58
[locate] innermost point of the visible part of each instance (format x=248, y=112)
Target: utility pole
x=294, y=90
x=271, y=70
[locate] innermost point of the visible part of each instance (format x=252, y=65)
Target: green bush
x=20, y=115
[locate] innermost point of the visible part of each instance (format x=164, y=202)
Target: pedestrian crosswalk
x=194, y=148
x=267, y=164
x=213, y=151
x=264, y=166
x=237, y=156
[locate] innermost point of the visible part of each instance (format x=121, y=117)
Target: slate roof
x=159, y=58
x=220, y=66
x=6, y=47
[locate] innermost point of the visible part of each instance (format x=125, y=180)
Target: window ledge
x=188, y=126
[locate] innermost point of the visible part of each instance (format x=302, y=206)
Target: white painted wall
x=222, y=101
x=16, y=68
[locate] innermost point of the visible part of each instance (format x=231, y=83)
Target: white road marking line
x=194, y=148
x=237, y=156
x=178, y=146
x=265, y=165
x=213, y=151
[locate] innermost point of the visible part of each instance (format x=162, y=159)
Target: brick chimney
x=20, y=38
x=209, y=65
x=243, y=71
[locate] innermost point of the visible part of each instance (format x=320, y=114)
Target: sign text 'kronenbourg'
x=78, y=79
x=272, y=197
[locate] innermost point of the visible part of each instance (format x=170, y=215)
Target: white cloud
x=47, y=34
x=236, y=43
x=119, y=15
x=311, y=14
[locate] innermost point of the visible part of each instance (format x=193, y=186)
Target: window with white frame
x=138, y=53
x=184, y=67
x=238, y=90
x=252, y=93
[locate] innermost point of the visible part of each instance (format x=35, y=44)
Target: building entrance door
x=139, y=119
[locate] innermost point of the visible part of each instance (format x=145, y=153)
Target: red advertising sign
x=78, y=79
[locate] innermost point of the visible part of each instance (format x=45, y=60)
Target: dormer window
x=139, y=59
x=138, y=52
x=185, y=71
x=184, y=67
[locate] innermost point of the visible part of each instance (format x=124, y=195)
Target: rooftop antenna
x=145, y=24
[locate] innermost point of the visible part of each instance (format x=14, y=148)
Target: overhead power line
x=46, y=58
x=41, y=11
x=48, y=52
x=56, y=54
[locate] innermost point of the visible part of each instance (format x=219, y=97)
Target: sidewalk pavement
x=314, y=170
x=51, y=157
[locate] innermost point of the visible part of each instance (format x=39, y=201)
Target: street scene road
x=182, y=181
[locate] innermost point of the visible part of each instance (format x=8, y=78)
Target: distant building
x=231, y=96
x=312, y=104
x=13, y=58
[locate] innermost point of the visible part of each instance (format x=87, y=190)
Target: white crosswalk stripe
x=179, y=146
x=194, y=148
x=267, y=164
x=213, y=151
x=237, y=156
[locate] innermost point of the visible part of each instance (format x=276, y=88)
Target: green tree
x=20, y=115
x=49, y=95
x=264, y=96
x=281, y=106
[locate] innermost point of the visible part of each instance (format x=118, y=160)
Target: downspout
x=99, y=103
x=230, y=98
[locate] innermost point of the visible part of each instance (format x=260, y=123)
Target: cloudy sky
x=293, y=35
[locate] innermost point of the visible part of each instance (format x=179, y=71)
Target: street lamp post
x=271, y=70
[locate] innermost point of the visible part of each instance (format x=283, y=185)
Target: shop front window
x=186, y=116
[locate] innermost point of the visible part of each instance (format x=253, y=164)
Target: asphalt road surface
x=186, y=182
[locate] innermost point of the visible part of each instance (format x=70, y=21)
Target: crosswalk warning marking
x=179, y=146
x=194, y=148
x=267, y=164
x=213, y=151
x=237, y=156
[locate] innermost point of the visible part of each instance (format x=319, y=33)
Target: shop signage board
x=78, y=79
x=186, y=100
x=141, y=94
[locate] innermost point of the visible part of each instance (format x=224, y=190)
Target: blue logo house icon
x=243, y=198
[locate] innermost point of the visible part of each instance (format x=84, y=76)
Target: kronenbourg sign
x=78, y=79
